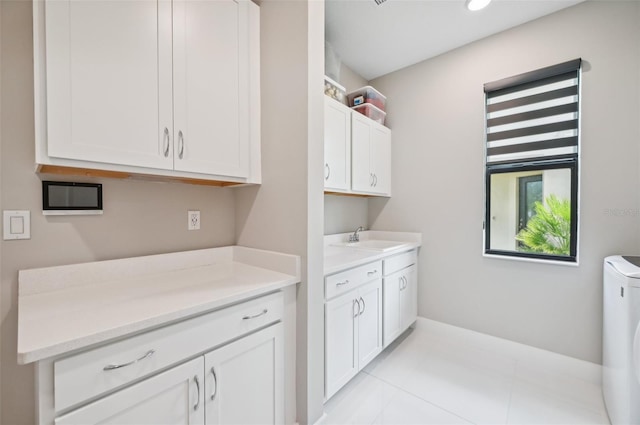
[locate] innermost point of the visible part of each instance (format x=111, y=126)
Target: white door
x=391, y=312
x=361, y=175
x=245, y=380
x=409, y=297
x=341, y=341
x=109, y=81
x=337, y=146
x=369, y=322
x=381, y=159
x=172, y=397
x=211, y=86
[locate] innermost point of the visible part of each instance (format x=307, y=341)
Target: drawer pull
x=343, y=283
x=364, y=306
x=118, y=366
x=195, y=379
x=255, y=315
x=373, y=272
x=215, y=384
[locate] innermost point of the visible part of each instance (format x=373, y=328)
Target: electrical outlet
x=194, y=220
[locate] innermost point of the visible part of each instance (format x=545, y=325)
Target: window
x=532, y=158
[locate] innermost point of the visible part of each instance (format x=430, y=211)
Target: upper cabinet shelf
x=164, y=88
x=357, y=153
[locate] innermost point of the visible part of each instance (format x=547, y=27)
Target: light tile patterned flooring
x=440, y=374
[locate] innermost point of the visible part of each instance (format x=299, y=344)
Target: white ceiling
x=375, y=40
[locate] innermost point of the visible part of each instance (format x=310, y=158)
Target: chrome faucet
x=355, y=237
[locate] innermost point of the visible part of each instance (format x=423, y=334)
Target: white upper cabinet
x=109, y=81
x=337, y=146
x=371, y=156
x=164, y=87
x=211, y=91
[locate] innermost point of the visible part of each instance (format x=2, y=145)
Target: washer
x=621, y=339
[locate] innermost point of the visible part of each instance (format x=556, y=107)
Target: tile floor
x=440, y=374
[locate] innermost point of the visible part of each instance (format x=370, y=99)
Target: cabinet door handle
x=256, y=315
x=401, y=283
x=375, y=180
x=356, y=313
x=215, y=384
x=195, y=379
x=364, y=306
x=118, y=366
x=373, y=272
x=371, y=179
x=165, y=142
x=346, y=282
x=328, y=171
x=180, y=144
x=404, y=278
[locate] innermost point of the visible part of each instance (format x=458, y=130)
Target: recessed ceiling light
x=477, y=4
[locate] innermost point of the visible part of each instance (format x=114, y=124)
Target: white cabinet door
x=409, y=297
x=381, y=159
x=361, y=176
x=211, y=86
x=337, y=146
x=172, y=397
x=109, y=84
x=341, y=341
x=369, y=322
x=245, y=381
x=392, y=326
x=371, y=156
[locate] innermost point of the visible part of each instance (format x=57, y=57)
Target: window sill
x=533, y=260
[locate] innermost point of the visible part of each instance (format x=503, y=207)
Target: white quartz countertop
x=62, y=309
x=338, y=258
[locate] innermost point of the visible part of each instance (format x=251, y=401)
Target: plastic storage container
x=370, y=95
x=371, y=111
x=334, y=90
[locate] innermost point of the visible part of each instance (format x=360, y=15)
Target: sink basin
x=373, y=245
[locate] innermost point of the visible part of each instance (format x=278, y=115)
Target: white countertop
x=66, y=308
x=339, y=258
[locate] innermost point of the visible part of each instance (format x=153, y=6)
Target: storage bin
x=371, y=111
x=370, y=95
x=334, y=90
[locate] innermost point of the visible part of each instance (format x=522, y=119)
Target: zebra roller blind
x=534, y=115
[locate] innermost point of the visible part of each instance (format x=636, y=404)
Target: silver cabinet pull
x=371, y=179
x=364, y=306
x=356, y=313
x=215, y=384
x=118, y=366
x=401, y=283
x=328, y=171
x=373, y=272
x=346, y=282
x=375, y=180
x=195, y=379
x=256, y=315
x=180, y=144
x=165, y=142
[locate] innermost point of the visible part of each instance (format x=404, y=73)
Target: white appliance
x=621, y=339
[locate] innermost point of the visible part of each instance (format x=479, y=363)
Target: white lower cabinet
x=172, y=376
x=353, y=333
x=172, y=397
x=243, y=384
x=400, y=291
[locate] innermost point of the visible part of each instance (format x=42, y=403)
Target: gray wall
x=285, y=213
x=139, y=218
x=344, y=213
x=436, y=112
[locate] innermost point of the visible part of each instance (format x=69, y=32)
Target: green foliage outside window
x=549, y=230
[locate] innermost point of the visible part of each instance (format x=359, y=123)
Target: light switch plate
x=16, y=225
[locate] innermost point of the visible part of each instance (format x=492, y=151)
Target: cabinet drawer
x=399, y=262
x=342, y=282
x=88, y=374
